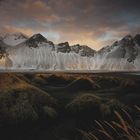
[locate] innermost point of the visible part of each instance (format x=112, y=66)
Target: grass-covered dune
x=21, y=101
x=57, y=106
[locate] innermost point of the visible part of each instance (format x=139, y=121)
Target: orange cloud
x=11, y=29
x=89, y=22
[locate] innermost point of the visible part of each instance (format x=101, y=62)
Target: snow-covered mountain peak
x=17, y=35
x=36, y=40
x=37, y=52
x=14, y=38
x=126, y=50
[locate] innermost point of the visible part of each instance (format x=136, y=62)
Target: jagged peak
x=38, y=36
x=63, y=44
x=16, y=34
x=127, y=41
x=137, y=39
x=128, y=37
x=37, y=39
x=137, y=35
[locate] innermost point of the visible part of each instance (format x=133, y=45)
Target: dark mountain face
x=127, y=41
x=137, y=39
x=86, y=51
x=63, y=47
x=83, y=50
x=37, y=39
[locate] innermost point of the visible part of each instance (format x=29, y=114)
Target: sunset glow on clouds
x=95, y=23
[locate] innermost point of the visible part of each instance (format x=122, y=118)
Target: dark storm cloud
x=92, y=22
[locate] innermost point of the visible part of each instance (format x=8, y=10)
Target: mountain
x=38, y=40
x=14, y=39
x=125, y=48
x=122, y=54
x=82, y=50
x=63, y=47
x=37, y=52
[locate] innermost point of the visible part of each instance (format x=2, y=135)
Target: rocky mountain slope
x=20, y=52
x=14, y=39
x=125, y=54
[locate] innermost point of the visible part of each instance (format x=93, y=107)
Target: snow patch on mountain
x=14, y=39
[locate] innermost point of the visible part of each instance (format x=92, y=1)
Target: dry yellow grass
x=10, y=81
x=123, y=129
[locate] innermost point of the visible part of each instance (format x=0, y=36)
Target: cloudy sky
x=95, y=23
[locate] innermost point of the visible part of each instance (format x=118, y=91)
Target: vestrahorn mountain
x=17, y=51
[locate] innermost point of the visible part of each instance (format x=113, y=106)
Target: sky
x=95, y=23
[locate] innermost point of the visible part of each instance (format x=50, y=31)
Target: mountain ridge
x=39, y=52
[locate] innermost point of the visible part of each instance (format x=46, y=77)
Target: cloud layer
x=92, y=22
